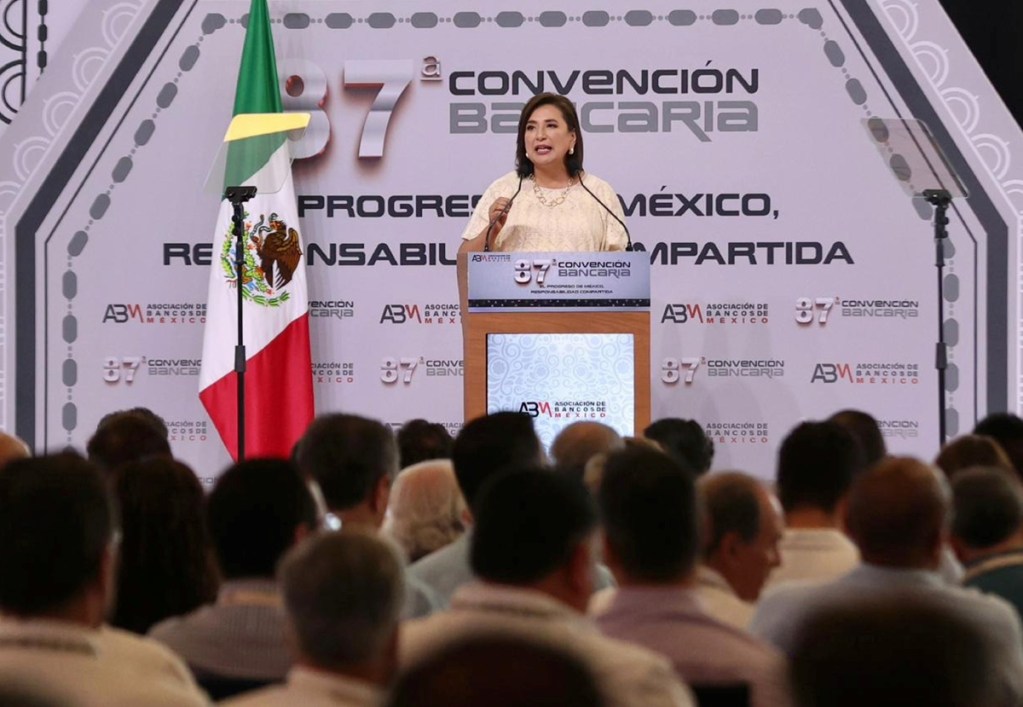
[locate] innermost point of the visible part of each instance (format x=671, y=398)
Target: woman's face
x=547, y=137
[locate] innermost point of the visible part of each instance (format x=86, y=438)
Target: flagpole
x=238, y=196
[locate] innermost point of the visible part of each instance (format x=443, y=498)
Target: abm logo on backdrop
x=565, y=409
x=873, y=373
x=420, y=314
x=166, y=314
x=714, y=313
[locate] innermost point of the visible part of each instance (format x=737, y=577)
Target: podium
x=564, y=337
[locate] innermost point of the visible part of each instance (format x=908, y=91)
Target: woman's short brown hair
x=574, y=161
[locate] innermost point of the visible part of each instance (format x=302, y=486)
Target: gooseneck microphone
x=628, y=236
x=504, y=212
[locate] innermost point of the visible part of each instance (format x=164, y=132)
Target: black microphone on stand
x=628, y=236
x=504, y=212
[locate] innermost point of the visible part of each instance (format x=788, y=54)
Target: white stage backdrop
x=791, y=274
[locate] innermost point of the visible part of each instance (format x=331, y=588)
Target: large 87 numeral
x=117, y=369
x=393, y=368
x=805, y=308
x=524, y=271
x=305, y=91
x=675, y=369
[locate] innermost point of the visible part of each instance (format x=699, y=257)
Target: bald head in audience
x=12, y=448
x=581, y=441
x=898, y=514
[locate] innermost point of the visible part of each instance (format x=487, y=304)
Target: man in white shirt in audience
x=533, y=551
x=744, y=524
x=342, y=595
x=649, y=506
x=817, y=462
x=898, y=515
x=58, y=547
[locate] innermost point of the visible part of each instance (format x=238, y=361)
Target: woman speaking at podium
x=548, y=203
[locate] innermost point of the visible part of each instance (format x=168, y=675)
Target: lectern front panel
x=563, y=378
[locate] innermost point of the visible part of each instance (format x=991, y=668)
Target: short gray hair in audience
x=343, y=594
x=579, y=442
x=426, y=508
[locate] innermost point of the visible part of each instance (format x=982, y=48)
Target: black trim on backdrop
x=997, y=231
x=25, y=232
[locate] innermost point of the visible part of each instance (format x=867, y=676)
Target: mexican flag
x=278, y=377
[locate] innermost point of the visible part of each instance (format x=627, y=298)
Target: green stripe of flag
x=257, y=91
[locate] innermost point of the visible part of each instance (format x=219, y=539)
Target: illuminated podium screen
x=563, y=378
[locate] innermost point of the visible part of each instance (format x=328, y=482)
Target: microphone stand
x=940, y=199
x=504, y=212
x=238, y=196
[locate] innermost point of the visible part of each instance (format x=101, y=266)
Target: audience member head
x=651, y=524
x=817, y=462
x=685, y=441
x=498, y=671
x=490, y=444
x=12, y=448
x=420, y=440
x=898, y=514
x=972, y=450
x=744, y=524
x=166, y=564
x=343, y=595
x=865, y=430
x=1007, y=430
x=901, y=650
x=579, y=442
x=57, y=530
x=124, y=437
x=426, y=510
x=139, y=413
x=987, y=513
x=534, y=528
x=257, y=510
x=354, y=460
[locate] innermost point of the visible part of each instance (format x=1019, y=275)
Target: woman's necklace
x=556, y=202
